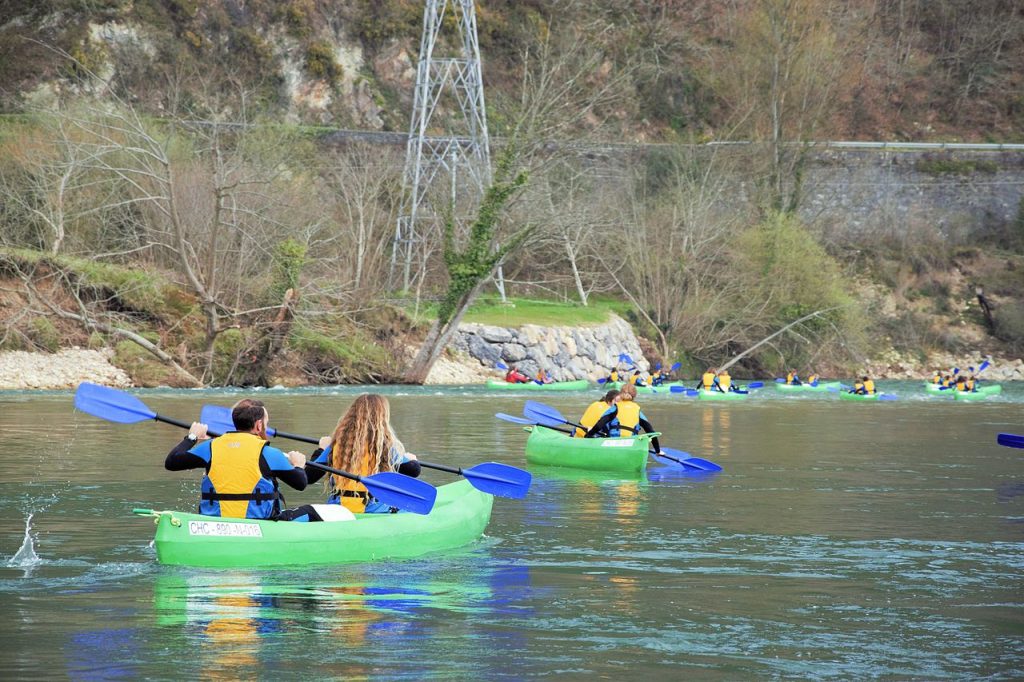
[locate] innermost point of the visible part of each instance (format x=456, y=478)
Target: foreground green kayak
x=578, y=385
x=554, y=448
x=807, y=388
x=459, y=516
x=704, y=394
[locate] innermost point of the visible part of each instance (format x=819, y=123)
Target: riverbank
x=65, y=369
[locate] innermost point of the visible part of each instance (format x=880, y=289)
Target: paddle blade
x=623, y=357
x=985, y=365
x=397, y=490
x=887, y=396
x=675, y=366
x=515, y=420
x=500, y=365
x=1010, y=440
x=536, y=410
x=602, y=380
x=111, y=404
x=675, y=461
x=499, y=479
x=755, y=384
x=780, y=380
x=691, y=392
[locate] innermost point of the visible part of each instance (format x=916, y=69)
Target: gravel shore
x=20, y=370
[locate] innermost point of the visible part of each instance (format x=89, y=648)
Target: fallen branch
x=768, y=338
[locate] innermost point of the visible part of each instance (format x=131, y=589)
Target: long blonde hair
x=363, y=437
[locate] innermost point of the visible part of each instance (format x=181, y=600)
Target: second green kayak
x=704, y=394
x=554, y=448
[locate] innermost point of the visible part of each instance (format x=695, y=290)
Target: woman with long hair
x=363, y=443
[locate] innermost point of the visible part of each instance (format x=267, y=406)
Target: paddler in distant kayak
x=812, y=378
x=242, y=470
x=863, y=386
x=624, y=419
x=594, y=412
x=792, y=379
x=724, y=382
x=514, y=376
x=708, y=380
x=363, y=443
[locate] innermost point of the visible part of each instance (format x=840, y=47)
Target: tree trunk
x=437, y=340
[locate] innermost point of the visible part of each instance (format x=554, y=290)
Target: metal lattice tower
x=447, y=165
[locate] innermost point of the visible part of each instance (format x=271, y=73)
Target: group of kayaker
x=714, y=379
x=243, y=471
x=793, y=379
x=961, y=383
x=514, y=376
x=637, y=378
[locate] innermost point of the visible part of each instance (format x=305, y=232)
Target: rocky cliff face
x=567, y=353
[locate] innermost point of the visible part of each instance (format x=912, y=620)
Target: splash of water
x=26, y=556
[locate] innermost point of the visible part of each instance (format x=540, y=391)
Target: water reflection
x=716, y=422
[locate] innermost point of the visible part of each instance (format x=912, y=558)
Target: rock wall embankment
x=568, y=353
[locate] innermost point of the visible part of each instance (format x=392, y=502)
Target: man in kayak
x=624, y=419
x=594, y=412
x=792, y=379
x=242, y=470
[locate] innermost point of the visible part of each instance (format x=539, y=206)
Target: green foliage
x=378, y=21
x=344, y=354
x=141, y=366
x=289, y=258
x=44, y=334
x=946, y=166
x=229, y=351
x=320, y=62
x=471, y=264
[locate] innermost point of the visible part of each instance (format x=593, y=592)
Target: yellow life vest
x=969, y=383
x=858, y=386
x=789, y=377
x=353, y=495
x=724, y=380
x=869, y=386
x=634, y=379
x=936, y=379
x=708, y=380
x=812, y=379
x=614, y=376
x=235, y=487
x=591, y=416
x=628, y=418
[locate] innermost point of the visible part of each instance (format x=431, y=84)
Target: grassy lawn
x=520, y=311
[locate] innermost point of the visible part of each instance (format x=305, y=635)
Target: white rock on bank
x=65, y=369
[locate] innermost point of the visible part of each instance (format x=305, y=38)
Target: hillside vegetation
x=166, y=188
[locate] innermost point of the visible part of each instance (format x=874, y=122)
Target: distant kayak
x=987, y=389
x=704, y=394
x=861, y=397
x=806, y=388
x=578, y=385
x=643, y=388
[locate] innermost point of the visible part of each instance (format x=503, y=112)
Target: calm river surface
x=842, y=540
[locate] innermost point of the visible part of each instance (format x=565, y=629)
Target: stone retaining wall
x=568, y=353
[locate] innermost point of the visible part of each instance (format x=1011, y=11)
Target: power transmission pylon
x=447, y=162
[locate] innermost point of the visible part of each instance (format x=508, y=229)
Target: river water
x=842, y=540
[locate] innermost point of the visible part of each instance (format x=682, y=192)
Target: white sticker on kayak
x=225, y=530
x=617, y=443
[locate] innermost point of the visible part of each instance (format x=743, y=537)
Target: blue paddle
x=117, y=406
x=545, y=414
x=683, y=389
x=491, y=477
x=1010, y=440
x=501, y=365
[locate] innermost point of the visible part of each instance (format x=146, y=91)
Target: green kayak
x=641, y=388
x=988, y=389
x=858, y=397
x=554, y=448
x=459, y=516
x=578, y=385
x=820, y=387
x=980, y=394
x=704, y=394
